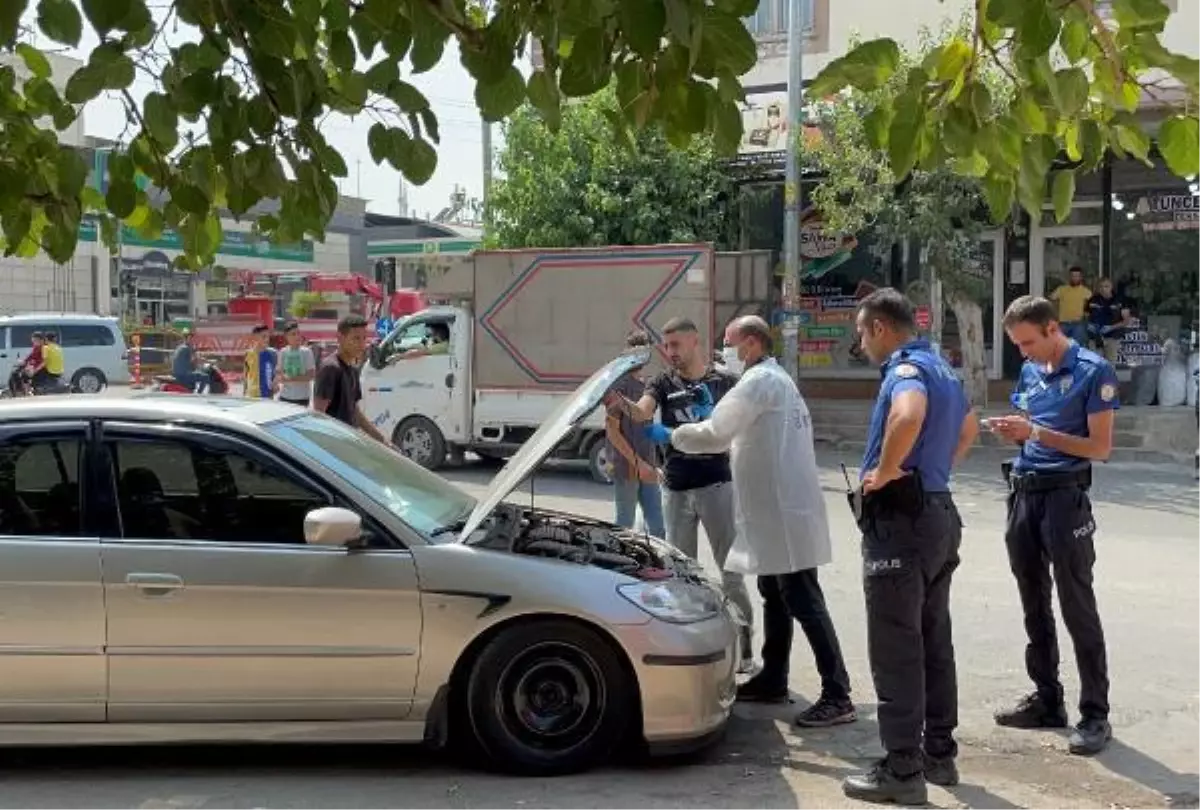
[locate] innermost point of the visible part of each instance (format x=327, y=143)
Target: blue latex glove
x=659, y=434
x=703, y=407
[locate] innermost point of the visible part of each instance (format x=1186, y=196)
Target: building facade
x=1135, y=225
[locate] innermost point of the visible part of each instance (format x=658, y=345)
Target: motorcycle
x=217, y=384
x=19, y=385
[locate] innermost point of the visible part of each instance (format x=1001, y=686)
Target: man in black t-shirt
x=698, y=489
x=336, y=389
x=1108, y=319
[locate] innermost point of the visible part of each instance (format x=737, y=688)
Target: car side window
x=86, y=335
x=39, y=488
x=171, y=489
x=21, y=336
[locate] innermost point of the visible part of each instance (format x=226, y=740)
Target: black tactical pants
x=1052, y=529
x=908, y=562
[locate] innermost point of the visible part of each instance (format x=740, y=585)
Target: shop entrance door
x=1053, y=251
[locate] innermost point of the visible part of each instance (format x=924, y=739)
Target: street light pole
x=791, y=189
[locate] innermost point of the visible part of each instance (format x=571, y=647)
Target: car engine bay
x=584, y=541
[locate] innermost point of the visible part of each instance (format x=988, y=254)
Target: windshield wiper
x=456, y=526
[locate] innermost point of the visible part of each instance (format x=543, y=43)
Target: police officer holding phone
x=922, y=424
x=1066, y=398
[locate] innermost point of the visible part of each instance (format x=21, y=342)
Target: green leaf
x=725, y=39
x=121, y=198
x=10, y=20
x=497, y=100
x=105, y=15
x=162, y=120
x=430, y=122
x=586, y=70
x=1006, y=13
x=1131, y=14
x=678, y=15
x=189, y=198
x=408, y=98
x=91, y=199
x=118, y=71
x=980, y=99
x=975, y=165
x=877, y=124
x=999, y=192
x=952, y=60
x=59, y=20
x=1074, y=39
x=72, y=172
x=543, y=92
x=904, y=135
x=1072, y=91
x=1071, y=142
x=429, y=39
x=35, y=60
x=421, y=162
x=1062, y=192
x=1133, y=138
x=1029, y=116
x=868, y=67
x=642, y=24
x=382, y=75
x=85, y=84
x=1178, y=140
x=378, y=142
x=1038, y=29
x=728, y=127
x=341, y=51
x=1036, y=157
x=1092, y=145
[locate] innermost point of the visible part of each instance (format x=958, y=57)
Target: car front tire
x=548, y=698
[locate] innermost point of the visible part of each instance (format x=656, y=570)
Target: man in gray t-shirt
x=634, y=458
x=297, y=368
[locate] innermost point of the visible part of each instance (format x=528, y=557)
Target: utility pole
x=487, y=166
x=791, y=188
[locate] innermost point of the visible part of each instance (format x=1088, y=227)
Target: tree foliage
x=1075, y=78
x=940, y=208
x=579, y=186
x=242, y=87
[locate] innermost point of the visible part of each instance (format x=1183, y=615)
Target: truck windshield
x=416, y=496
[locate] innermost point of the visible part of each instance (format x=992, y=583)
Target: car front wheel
x=549, y=697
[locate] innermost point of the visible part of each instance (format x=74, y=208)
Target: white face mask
x=729, y=357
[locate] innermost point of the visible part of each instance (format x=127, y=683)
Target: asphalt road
x=1146, y=580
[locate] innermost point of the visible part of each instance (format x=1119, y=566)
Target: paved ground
x=1146, y=579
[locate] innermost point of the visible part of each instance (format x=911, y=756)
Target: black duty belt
x=1044, y=482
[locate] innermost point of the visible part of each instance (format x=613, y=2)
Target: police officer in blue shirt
x=1066, y=398
x=922, y=424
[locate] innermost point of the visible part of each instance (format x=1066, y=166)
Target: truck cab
x=416, y=386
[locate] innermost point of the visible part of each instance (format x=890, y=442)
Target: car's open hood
x=573, y=410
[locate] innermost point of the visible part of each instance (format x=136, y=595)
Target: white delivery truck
x=521, y=329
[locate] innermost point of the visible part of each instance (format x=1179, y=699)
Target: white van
x=94, y=351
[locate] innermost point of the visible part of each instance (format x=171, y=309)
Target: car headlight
x=673, y=600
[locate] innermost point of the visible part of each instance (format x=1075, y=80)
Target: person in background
x=297, y=368
x=632, y=455
x=53, y=353
x=184, y=362
x=782, y=524
x=1066, y=400
x=437, y=341
x=697, y=487
x=262, y=364
x=337, y=390
x=1072, y=299
x=921, y=426
x=1109, y=318
x=34, y=364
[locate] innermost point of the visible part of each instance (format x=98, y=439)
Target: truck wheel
x=419, y=439
x=548, y=697
x=598, y=461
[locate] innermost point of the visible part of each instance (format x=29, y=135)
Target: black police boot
x=1033, y=712
x=1091, y=736
x=827, y=712
x=763, y=690
x=882, y=784
x=941, y=771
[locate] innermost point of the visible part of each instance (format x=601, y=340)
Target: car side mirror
x=332, y=526
x=375, y=356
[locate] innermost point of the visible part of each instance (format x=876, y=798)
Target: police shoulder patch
x=1107, y=392
x=906, y=371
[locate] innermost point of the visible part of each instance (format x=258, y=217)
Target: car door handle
x=449, y=380
x=155, y=584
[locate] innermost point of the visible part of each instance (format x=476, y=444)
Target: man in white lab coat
x=782, y=526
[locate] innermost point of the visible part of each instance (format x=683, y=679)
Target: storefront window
x=1155, y=249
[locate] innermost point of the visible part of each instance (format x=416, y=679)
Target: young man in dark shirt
x=1108, y=319
x=336, y=389
x=698, y=488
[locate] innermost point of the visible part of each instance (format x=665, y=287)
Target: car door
x=217, y=610
x=52, y=633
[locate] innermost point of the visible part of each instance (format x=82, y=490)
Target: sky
x=448, y=87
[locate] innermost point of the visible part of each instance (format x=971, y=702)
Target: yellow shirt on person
x=52, y=356
x=1072, y=302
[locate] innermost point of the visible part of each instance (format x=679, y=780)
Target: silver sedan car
x=188, y=569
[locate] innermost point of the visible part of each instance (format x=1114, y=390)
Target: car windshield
x=427, y=503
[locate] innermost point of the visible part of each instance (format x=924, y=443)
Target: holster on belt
x=904, y=496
